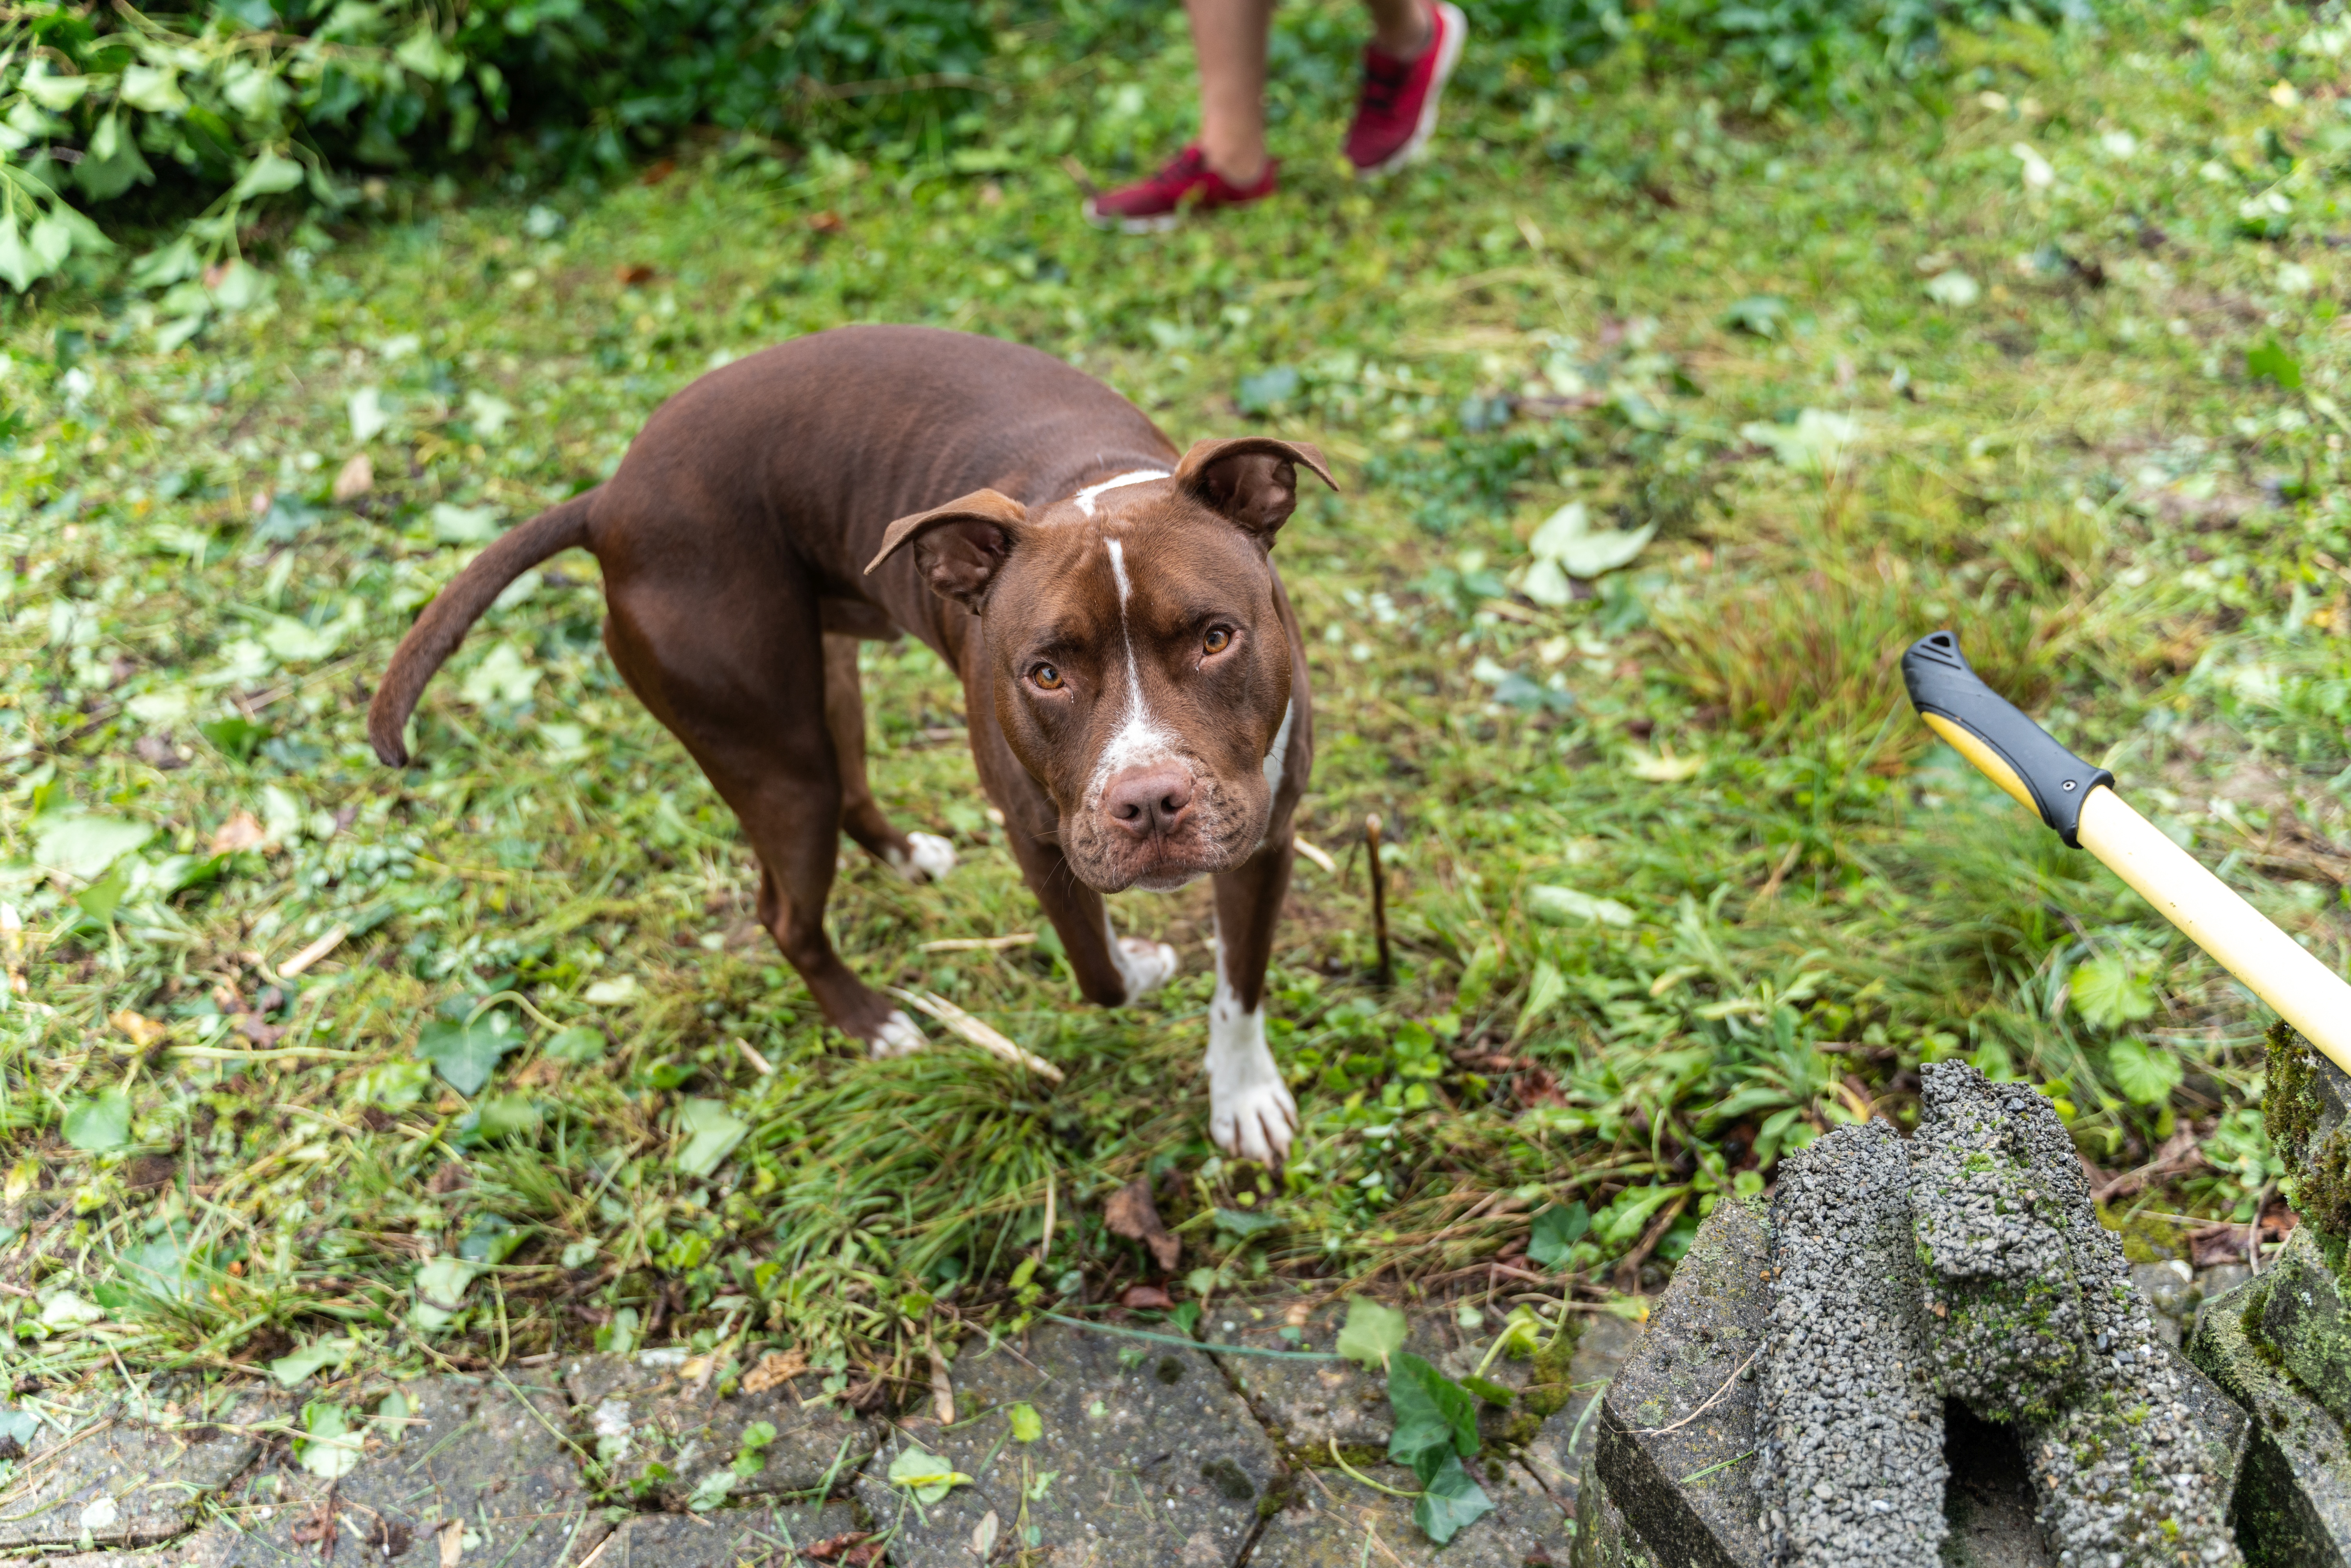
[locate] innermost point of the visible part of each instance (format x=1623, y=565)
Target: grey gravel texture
x=1849, y=1426
x=2125, y=1472
x=1998, y=1274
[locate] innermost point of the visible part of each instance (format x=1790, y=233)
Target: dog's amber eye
x=1218, y=640
x=1046, y=677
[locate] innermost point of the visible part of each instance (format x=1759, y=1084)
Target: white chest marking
x=1279, y=758
x=1085, y=498
x=1139, y=739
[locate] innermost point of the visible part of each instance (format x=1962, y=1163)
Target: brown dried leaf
x=356, y=478
x=242, y=831
x=1146, y=1298
x=1130, y=1213
x=773, y=1370
x=143, y=1032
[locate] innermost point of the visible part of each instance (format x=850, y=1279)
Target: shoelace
x=1179, y=173
x=1383, y=82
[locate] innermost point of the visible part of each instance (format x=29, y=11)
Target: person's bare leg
x=1229, y=37
x=1400, y=29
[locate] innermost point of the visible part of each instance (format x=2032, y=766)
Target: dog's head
x=1142, y=671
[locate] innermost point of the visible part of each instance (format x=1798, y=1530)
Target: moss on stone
x=2313, y=1140
x=1549, y=1385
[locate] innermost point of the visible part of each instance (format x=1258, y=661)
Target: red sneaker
x=1186, y=180
x=1397, y=112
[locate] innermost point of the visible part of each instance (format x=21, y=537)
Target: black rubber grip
x=1942, y=682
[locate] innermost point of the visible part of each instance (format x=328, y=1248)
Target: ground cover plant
x=1666, y=416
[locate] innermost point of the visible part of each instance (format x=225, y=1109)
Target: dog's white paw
x=1250, y=1112
x=932, y=858
x=926, y=858
x=1143, y=964
x=899, y=1037
x=1254, y=1120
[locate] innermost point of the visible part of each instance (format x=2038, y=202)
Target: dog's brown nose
x=1150, y=800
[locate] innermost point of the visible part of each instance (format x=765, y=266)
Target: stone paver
x=1678, y=1426
x=636, y=1412
x=1558, y=1451
x=723, y=1538
x=116, y=1479
x=1308, y=1405
x=1147, y=1457
x=486, y=1461
x=2294, y=1495
x=1332, y=1519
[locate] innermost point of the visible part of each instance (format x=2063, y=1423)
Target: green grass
x=2074, y=468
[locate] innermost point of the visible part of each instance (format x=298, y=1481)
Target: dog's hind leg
x=918, y=857
x=1250, y=1112
x=738, y=684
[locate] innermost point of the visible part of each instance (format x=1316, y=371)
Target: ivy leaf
x=1451, y=1501
x=2110, y=992
x=927, y=1475
x=1245, y=1223
x=1435, y=1416
x=467, y=1053
x=2147, y=1077
x=1373, y=1334
x=329, y=1447
x=1555, y=1230
x=293, y=1368
x=712, y=1135
x=2268, y=361
x=99, y=1123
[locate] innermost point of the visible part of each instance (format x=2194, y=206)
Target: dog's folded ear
x=959, y=547
x=1251, y=479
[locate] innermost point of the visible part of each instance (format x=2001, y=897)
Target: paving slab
x=1145, y=1457
x=1558, y=1452
x=1677, y=1426
x=2304, y=1321
x=654, y=1410
x=1603, y=1537
x=1333, y=1521
x=726, y=1537
x=1311, y=1405
x=129, y=1472
x=2293, y=1493
x=485, y=1461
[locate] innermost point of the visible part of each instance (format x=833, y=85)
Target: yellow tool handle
x=2078, y=800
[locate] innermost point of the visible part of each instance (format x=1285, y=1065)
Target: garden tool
x=2080, y=802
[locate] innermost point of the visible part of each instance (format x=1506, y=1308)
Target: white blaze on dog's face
x=1142, y=670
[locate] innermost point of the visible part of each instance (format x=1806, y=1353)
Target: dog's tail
x=455, y=608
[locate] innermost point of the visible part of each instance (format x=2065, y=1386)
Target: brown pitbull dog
x=1132, y=674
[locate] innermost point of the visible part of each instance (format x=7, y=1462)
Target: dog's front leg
x=1250, y=1112
x=1111, y=971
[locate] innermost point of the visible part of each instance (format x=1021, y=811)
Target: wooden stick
x=1385, y=974
x=2273, y=965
